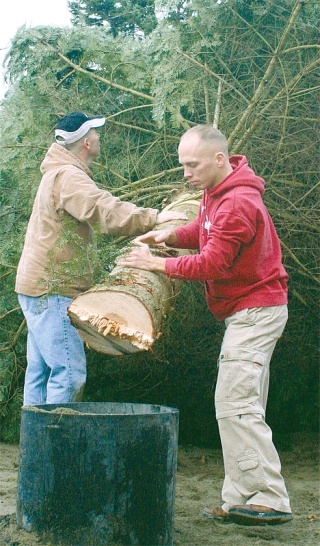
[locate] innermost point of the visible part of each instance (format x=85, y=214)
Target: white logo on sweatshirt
x=207, y=225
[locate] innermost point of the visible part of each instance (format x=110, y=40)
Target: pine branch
x=14, y=310
x=264, y=80
x=147, y=179
x=96, y=77
x=12, y=343
x=298, y=262
x=9, y=266
x=259, y=113
x=133, y=127
x=215, y=75
x=218, y=106
x=147, y=192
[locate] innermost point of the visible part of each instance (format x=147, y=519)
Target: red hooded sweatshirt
x=240, y=258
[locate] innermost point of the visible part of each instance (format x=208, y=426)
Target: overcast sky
x=15, y=13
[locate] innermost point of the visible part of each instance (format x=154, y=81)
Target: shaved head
x=210, y=135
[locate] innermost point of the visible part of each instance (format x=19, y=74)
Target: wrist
x=172, y=239
x=158, y=264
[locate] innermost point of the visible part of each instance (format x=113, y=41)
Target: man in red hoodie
x=240, y=262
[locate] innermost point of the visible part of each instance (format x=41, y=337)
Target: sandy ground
x=199, y=480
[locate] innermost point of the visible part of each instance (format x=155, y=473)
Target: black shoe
x=257, y=515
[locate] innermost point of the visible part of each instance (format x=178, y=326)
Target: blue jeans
x=56, y=361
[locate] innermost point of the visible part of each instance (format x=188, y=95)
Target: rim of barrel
x=66, y=409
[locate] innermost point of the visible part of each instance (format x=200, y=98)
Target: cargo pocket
x=251, y=471
x=239, y=376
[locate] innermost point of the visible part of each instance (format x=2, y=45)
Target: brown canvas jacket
x=67, y=208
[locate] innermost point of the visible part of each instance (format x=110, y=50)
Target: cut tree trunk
x=125, y=314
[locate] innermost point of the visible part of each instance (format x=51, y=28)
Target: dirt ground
x=199, y=480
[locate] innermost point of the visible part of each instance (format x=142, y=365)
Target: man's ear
x=86, y=143
x=220, y=159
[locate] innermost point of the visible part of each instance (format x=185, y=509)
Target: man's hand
x=167, y=215
x=141, y=258
x=156, y=237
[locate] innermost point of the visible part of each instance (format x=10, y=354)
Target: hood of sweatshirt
x=57, y=157
x=242, y=175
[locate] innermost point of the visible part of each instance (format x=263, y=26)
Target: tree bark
x=125, y=314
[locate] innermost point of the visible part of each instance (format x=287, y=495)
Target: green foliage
x=127, y=16
x=248, y=67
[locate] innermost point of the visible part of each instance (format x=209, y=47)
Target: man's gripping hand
x=167, y=236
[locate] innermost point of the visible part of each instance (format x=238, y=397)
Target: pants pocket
x=242, y=382
x=250, y=471
x=239, y=376
x=33, y=305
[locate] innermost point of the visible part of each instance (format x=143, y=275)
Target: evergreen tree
x=250, y=68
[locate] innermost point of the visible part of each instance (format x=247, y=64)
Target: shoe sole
x=258, y=518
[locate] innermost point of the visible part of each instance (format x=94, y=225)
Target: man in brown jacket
x=55, y=264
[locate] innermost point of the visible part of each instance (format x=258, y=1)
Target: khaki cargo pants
x=252, y=465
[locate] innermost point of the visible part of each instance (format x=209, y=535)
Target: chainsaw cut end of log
x=102, y=319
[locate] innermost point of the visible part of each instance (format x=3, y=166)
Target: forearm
x=187, y=236
x=158, y=265
x=154, y=263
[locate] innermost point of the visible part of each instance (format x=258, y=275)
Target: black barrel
x=107, y=467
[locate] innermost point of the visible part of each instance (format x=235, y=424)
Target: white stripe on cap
x=71, y=137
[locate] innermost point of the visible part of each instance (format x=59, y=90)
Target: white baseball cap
x=75, y=126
